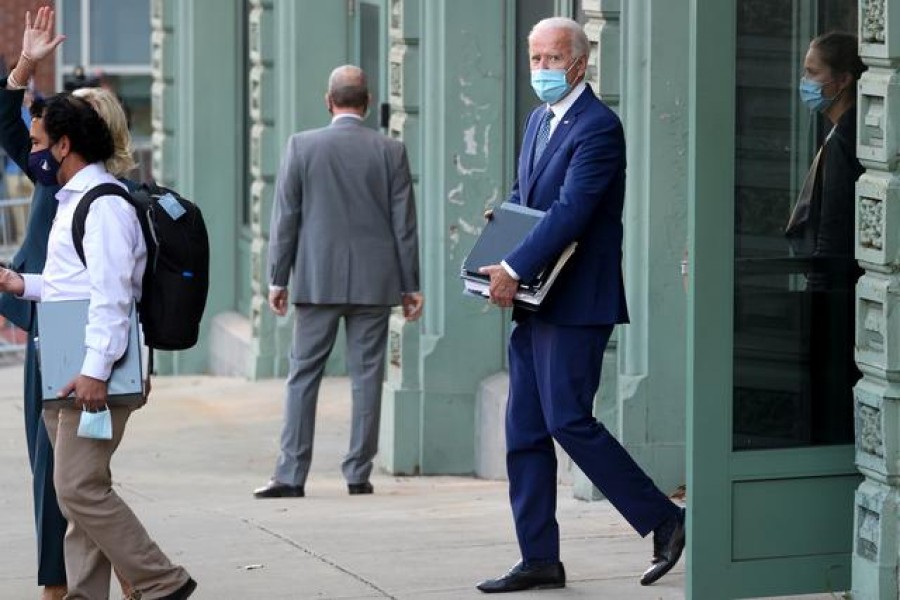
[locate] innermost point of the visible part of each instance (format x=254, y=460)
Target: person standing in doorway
x=572, y=166
x=344, y=231
x=822, y=229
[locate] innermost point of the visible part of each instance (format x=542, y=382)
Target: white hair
x=578, y=39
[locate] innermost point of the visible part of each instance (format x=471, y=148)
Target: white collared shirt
x=562, y=107
x=335, y=118
x=115, y=250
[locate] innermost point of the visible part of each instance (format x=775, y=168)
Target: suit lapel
x=559, y=135
x=527, y=152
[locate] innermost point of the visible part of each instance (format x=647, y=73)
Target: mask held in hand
x=96, y=425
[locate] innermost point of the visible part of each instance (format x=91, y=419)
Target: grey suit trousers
x=315, y=330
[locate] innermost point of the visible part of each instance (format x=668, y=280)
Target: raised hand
x=40, y=39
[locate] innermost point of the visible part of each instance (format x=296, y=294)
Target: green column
x=876, y=544
x=198, y=133
x=651, y=349
x=461, y=158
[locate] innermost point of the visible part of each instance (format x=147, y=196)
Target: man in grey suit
x=344, y=227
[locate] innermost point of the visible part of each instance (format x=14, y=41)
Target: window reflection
x=793, y=370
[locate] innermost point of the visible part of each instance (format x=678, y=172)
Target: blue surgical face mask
x=812, y=96
x=551, y=85
x=43, y=167
x=95, y=425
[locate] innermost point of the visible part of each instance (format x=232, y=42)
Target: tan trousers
x=102, y=529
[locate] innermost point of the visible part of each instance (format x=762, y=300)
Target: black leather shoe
x=668, y=544
x=184, y=592
x=356, y=489
x=275, y=489
x=522, y=577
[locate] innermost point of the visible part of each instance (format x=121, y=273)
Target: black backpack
x=176, y=280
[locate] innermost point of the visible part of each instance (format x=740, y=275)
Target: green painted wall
x=463, y=162
x=202, y=119
x=652, y=362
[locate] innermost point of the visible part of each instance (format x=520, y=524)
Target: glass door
x=771, y=475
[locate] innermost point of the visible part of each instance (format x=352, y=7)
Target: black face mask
x=43, y=167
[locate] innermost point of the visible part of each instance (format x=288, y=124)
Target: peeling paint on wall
x=465, y=171
x=493, y=198
x=469, y=140
x=468, y=227
x=455, y=196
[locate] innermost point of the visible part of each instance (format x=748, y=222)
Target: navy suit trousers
x=554, y=374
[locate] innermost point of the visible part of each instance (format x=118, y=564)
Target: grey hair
x=578, y=39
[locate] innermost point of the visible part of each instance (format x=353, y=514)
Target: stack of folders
x=509, y=225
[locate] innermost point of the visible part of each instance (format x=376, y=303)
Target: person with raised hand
x=38, y=43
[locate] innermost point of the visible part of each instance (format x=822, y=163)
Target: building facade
x=12, y=22
x=706, y=385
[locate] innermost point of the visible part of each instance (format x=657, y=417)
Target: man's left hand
x=89, y=393
x=412, y=303
x=278, y=301
x=503, y=286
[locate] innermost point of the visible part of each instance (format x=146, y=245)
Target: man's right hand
x=278, y=301
x=11, y=282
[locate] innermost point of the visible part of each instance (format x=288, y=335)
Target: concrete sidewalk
x=193, y=455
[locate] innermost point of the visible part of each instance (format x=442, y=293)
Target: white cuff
x=277, y=288
x=96, y=365
x=509, y=270
x=34, y=284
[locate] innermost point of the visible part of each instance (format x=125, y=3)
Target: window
x=110, y=41
x=793, y=324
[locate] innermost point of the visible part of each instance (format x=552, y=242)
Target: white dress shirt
x=114, y=249
x=559, y=111
x=335, y=118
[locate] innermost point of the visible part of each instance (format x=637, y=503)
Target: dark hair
x=37, y=108
x=89, y=136
x=840, y=51
x=350, y=96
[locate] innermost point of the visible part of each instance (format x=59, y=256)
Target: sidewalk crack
x=319, y=557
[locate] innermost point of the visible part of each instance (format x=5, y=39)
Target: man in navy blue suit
x=572, y=165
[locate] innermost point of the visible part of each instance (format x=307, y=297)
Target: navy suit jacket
x=31, y=256
x=580, y=182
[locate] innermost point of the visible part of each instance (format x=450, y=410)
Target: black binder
x=509, y=225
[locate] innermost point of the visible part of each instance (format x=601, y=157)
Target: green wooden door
x=771, y=475
x=369, y=52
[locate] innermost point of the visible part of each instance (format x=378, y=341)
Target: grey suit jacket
x=344, y=220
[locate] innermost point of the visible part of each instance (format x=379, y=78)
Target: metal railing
x=13, y=222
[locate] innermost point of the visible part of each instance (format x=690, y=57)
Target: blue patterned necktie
x=543, y=135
